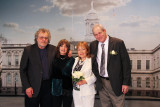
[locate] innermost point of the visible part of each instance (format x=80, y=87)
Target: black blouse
x=62, y=69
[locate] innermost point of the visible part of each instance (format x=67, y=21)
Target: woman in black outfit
x=62, y=78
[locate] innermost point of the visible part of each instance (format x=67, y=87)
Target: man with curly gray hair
x=36, y=69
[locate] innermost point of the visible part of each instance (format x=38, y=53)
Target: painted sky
x=137, y=22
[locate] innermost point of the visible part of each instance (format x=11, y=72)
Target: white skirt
x=83, y=101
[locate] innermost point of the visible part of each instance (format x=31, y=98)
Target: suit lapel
x=37, y=55
x=110, y=47
x=95, y=50
x=48, y=56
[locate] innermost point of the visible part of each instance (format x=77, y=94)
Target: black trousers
x=66, y=100
x=44, y=98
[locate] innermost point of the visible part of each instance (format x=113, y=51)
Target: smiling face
x=82, y=52
x=100, y=34
x=42, y=40
x=63, y=49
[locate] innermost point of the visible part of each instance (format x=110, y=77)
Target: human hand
x=124, y=89
x=82, y=82
x=29, y=92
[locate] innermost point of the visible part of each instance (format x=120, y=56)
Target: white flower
x=77, y=74
x=76, y=77
x=113, y=52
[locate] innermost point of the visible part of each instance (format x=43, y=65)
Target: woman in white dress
x=84, y=95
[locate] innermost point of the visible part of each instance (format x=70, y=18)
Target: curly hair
x=43, y=30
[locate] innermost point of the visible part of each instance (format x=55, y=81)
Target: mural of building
x=145, y=64
x=0, y=67
x=90, y=20
x=0, y=58
x=145, y=72
x=2, y=40
x=11, y=56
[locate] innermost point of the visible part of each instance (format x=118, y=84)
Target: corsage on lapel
x=113, y=52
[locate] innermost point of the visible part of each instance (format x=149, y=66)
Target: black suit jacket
x=118, y=66
x=31, y=67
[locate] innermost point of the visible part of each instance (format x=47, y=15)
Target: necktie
x=102, y=66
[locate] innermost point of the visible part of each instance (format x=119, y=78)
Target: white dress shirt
x=99, y=53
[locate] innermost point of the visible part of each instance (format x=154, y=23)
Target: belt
x=107, y=78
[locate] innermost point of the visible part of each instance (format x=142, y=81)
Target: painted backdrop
x=137, y=22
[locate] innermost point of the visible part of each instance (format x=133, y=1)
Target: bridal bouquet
x=76, y=77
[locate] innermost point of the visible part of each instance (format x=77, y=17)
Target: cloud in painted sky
x=79, y=7
x=32, y=5
x=104, y=5
x=13, y=26
x=33, y=27
x=45, y=8
x=83, y=6
x=125, y=19
x=137, y=21
x=61, y=29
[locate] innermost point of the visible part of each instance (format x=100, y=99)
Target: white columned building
x=90, y=20
x=0, y=58
x=145, y=72
x=11, y=56
x=2, y=40
x=0, y=67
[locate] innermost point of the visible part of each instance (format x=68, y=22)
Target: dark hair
x=60, y=43
x=43, y=30
x=84, y=44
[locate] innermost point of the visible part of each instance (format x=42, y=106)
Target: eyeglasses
x=41, y=38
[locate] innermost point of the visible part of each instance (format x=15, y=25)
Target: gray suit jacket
x=31, y=67
x=118, y=66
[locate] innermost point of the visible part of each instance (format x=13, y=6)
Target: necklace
x=81, y=62
x=62, y=57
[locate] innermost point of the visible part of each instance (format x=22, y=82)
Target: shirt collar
x=105, y=42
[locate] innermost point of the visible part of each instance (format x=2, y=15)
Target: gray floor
x=19, y=102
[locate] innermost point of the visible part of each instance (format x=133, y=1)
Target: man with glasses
x=36, y=68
